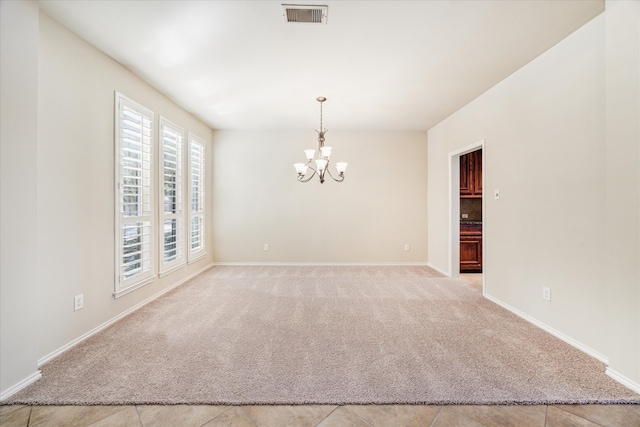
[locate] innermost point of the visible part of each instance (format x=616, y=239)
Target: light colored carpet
x=327, y=335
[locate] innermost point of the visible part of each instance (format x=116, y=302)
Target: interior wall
x=623, y=187
x=368, y=218
x=75, y=185
x=18, y=148
x=544, y=133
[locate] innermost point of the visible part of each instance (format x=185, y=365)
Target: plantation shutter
x=196, y=197
x=134, y=247
x=171, y=211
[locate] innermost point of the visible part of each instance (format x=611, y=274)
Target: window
x=176, y=222
x=171, y=201
x=196, y=197
x=134, y=199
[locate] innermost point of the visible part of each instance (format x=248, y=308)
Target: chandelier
x=322, y=159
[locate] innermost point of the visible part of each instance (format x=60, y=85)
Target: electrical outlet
x=78, y=302
x=546, y=293
x=406, y=247
x=266, y=247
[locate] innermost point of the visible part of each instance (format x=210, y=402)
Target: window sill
x=197, y=257
x=117, y=294
x=171, y=269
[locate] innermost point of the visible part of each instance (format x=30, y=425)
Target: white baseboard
x=591, y=352
x=22, y=384
x=438, y=270
x=319, y=264
x=109, y=322
x=623, y=380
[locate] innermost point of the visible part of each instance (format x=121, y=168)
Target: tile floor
x=322, y=416
x=474, y=279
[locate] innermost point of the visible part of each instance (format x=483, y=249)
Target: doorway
x=467, y=240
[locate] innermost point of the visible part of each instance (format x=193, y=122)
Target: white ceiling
x=383, y=65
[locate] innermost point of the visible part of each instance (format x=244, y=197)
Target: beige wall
x=70, y=200
x=623, y=187
x=18, y=148
x=543, y=129
x=380, y=206
x=558, y=159
x=76, y=183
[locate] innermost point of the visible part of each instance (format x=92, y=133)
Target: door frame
x=454, y=207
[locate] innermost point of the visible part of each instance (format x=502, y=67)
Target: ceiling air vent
x=305, y=13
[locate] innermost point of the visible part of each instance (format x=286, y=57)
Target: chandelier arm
x=301, y=177
x=332, y=177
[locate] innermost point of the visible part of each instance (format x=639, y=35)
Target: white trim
x=19, y=386
x=328, y=264
x=623, y=380
x=197, y=258
x=591, y=352
x=172, y=269
x=121, y=292
x=83, y=337
x=454, y=215
x=438, y=269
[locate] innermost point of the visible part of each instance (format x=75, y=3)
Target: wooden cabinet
x=471, y=175
x=471, y=248
x=471, y=233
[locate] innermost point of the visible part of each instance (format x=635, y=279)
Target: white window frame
x=197, y=200
x=146, y=208
x=171, y=143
